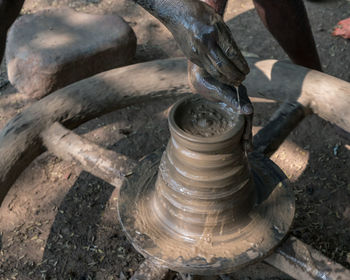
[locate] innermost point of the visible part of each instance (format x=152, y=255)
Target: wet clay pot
x=201, y=207
x=204, y=187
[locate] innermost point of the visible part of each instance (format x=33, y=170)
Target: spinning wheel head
x=203, y=207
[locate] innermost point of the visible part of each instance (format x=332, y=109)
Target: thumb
x=203, y=83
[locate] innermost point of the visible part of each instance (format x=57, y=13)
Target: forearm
x=174, y=10
x=202, y=36
x=167, y=11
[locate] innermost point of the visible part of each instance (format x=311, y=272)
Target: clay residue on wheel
x=199, y=214
x=204, y=118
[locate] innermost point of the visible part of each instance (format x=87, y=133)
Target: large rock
x=53, y=48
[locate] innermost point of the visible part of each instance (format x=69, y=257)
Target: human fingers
x=248, y=110
x=230, y=48
x=203, y=83
x=229, y=73
x=244, y=101
x=208, y=69
x=247, y=138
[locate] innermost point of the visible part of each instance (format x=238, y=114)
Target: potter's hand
x=203, y=37
x=204, y=84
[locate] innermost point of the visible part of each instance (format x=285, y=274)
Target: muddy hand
x=203, y=37
x=204, y=84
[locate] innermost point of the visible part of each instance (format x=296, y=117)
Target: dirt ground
x=59, y=222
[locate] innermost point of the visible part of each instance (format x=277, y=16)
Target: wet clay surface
x=63, y=221
x=60, y=223
x=201, y=118
x=209, y=252
x=201, y=214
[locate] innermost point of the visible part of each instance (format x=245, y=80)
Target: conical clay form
x=199, y=208
x=204, y=187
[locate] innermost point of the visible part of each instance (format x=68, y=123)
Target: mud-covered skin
x=199, y=29
x=203, y=37
x=286, y=20
x=203, y=83
x=216, y=64
x=206, y=40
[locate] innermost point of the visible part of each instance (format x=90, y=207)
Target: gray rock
x=53, y=48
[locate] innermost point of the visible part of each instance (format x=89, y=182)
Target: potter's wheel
x=198, y=207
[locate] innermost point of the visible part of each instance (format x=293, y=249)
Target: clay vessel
x=198, y=207
x=204, y=186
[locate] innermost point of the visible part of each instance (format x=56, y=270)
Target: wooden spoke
x=301, y=261
x=150, y=271
x=105, y=164
x=286, y=118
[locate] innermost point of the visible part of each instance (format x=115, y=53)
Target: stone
x=53, y=48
